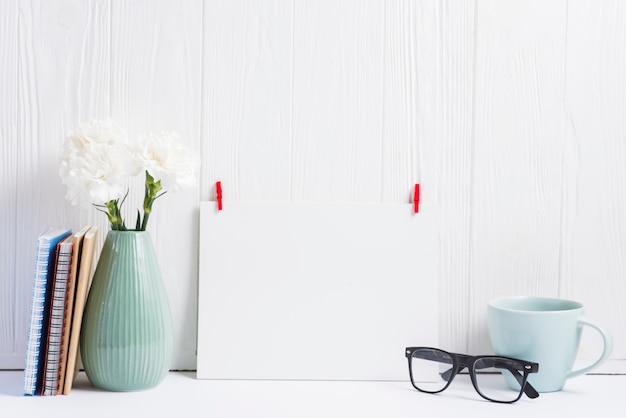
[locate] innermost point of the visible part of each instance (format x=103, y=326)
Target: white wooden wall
x=512, y=115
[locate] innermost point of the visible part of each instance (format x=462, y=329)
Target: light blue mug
x=545, y=331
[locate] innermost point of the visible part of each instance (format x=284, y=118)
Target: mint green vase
x=127, y=337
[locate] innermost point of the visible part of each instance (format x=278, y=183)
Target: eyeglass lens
x=495, y=379
x=431, y=370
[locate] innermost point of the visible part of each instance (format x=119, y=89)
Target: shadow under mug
x=545, y=331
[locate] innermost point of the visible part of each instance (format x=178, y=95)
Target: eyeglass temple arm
x=529, y=390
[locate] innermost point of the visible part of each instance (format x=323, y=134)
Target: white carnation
x=95, y=163
x=167, y=160
x=97, y=160
x=97, y=131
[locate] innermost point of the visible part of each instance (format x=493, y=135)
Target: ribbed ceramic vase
x=127, y=338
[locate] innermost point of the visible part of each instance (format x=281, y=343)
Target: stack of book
x=63, y=269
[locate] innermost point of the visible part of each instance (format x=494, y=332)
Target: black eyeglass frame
x=462, y=361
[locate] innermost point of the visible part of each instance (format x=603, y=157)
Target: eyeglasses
x=495, y=378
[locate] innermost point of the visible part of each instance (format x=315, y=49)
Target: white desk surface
x=182, y=395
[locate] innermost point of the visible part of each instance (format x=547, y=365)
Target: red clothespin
x=218, y=189
x=416, y=199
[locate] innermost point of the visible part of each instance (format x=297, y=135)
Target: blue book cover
x=44, y=273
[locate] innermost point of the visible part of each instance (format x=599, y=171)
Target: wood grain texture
x=156, y=58
x=337, y=97
x=246, y=98
x=60, y=43
x=11, y=317
x=451, y=169
x=518, y=155
x=510, y=114
x=593, y=259
x=409, y=97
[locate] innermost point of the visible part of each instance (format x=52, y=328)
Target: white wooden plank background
x=593, y=234
x=515, y=217
x=510, y=114
x=10, y=318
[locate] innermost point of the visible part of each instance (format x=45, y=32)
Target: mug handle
x=608, y=346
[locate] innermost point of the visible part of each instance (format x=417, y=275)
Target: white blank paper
x=323, y=291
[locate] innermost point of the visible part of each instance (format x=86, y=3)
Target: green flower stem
x=152, y=193
x=114, y=215
x=153, y=190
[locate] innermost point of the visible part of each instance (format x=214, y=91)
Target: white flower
x=97, y=160
x=95, y=163
x=97, y=174
x=97, y=131
x=167, y=160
